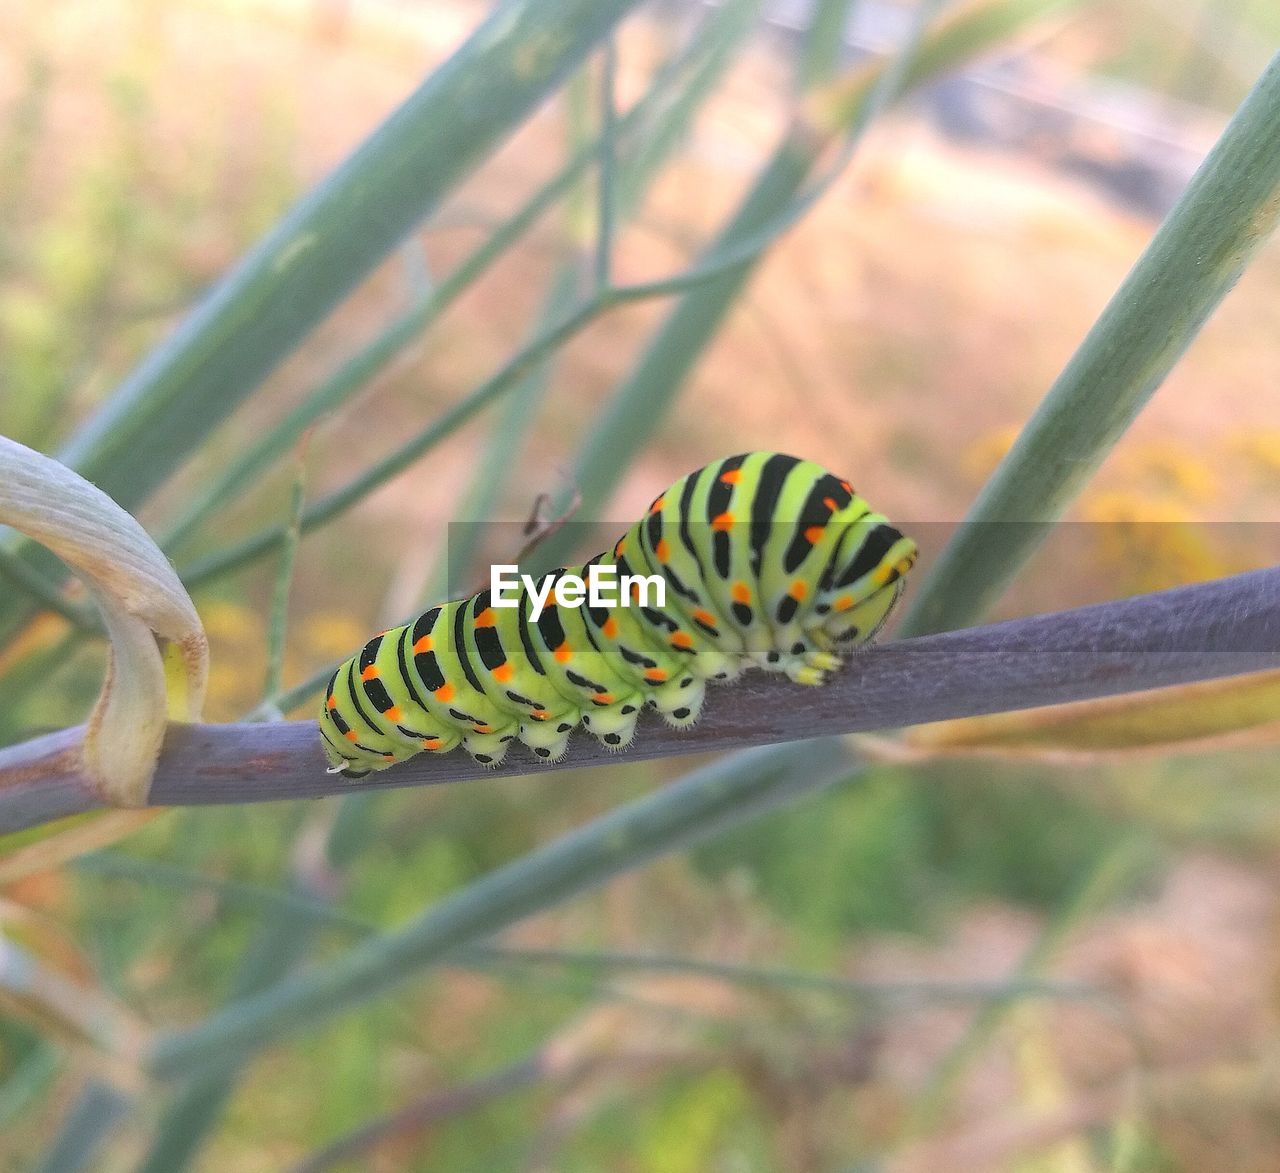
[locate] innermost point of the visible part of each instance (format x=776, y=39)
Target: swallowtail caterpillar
x=769, y=562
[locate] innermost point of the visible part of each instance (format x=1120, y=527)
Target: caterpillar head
x=864, y=581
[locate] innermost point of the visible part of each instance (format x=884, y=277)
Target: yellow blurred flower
x=983, y=454
x=1149, y=542
x=1261, y=447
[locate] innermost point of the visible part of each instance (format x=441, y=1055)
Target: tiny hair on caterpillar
x=768, y=561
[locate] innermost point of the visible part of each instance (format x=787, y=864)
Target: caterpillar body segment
x=768, y=561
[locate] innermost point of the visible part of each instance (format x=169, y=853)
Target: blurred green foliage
x=88, y=280
x=908, y=850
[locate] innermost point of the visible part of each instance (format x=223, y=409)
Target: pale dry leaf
x=141, y=600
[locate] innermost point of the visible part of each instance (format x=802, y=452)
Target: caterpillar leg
x=549, y=739
x=810, y=667
x=614, y=726
x=489, y=748
x=680, y=701
x=803, y=663
x=712, y=664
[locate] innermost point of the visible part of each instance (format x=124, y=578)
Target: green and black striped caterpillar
x=767, y=561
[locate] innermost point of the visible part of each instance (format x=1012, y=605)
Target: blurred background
x=900, y=333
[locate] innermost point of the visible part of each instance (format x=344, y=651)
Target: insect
x=767, y=561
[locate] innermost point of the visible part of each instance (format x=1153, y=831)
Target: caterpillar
x=767, y=561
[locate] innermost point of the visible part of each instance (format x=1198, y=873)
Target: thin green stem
x=339, y=501
x=911, y=992
x=49, y=594
x=29, y=1079
x=1226, y=213
x=724, y=38
x=290, y=698
x=503, y=451
x=1107, y=877
x=819, y=59
x=702, y=804
x=606, y=198
x=431, y=1108
x=356, y=372
x=282, y=289
x=94, y=1116
x=712, y=287
x=284, y=578
x=258, y=897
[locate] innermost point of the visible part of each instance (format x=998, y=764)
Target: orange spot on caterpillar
x=813, y=535
x=610, y=627
x=741, y=592
x=604, y=698
x=843, y=603
x=705, y=617
x=732, y=477
x=657, y=675
x=350, y=735
x=564, y=653
x=722, y=522
x=830, y=503
x=388, y=757
x=370, y=673
x=444, y=692
x=423, y=645
x=485, y=618
x=658, y=503
x=539, y=714
x=393, y=713
x=502, y=673
x=620, y=548
x=848, y=488
x=431, y=743
x=483, y=728
x=332, y=702
x=663, y=551
x=798, y=590
x=682, y=639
